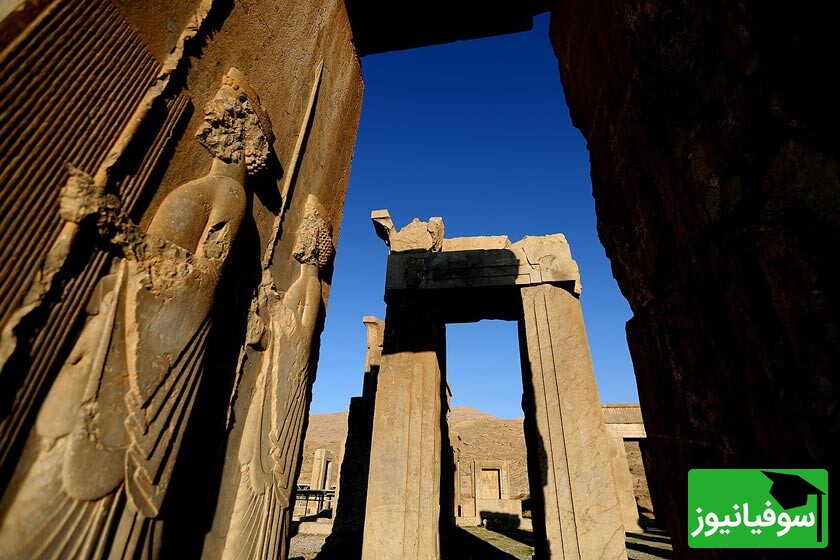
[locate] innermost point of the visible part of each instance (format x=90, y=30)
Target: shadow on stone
x=500, y=521
x=650, y=550
x=664, y=539
x=465, y=546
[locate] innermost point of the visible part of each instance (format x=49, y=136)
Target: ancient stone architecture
x=159, y=331
x=318, y=497
x=475, y=438
x=624, y=423
x=432, y=281
x=345, y=540
x=711, y=129
x=110, y=429
x=282, y=328
x=482, y=493
x=323, y=469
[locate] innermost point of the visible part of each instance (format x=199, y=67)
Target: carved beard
x=314, y=243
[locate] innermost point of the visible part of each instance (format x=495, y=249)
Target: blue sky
x=476, y=132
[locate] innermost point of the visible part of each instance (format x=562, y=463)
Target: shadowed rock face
x=712, y=134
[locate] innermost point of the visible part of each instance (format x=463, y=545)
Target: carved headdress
x=235, y=124
x=314, y=243
x=236, y=80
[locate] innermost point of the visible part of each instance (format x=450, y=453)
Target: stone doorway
x=432, y=281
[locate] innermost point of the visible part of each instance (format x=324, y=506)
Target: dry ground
x=477, y=543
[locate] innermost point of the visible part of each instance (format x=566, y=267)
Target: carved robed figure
x=110, y=429
x=282, y=331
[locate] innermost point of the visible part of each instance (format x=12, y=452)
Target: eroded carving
x=110, y=429
x=111, y=88
x=416, y=236
x=282, y=332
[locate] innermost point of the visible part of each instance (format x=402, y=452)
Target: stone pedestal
x=403, y=502
x=582, y=514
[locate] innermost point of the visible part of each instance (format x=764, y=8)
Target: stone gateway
x=432, y=281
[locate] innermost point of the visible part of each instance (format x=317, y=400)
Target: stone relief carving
x=282, y=328
x=40, y=298
x=110, y=429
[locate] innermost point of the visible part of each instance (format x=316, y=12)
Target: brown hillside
x=483, y=437
x=325, y=431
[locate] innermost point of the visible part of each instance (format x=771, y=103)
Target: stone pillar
x=456, y=499
x=345, y=540
x=582, y=514
x=375, y=329
x=403, y=501
x=320, y=470
x=623, y=483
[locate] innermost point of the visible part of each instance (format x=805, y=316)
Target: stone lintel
x=624, y=420
x=627, y=431
x=422, y=259
x=389, y=26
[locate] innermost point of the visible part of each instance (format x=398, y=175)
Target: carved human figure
x=272, y=440
x=109, y=431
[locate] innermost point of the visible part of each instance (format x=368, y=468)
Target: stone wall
x=153, y=93
x=712, y=135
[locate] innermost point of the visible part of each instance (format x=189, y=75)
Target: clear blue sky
x=476, y=132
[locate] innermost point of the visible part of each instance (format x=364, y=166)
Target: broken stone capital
x=416, y=236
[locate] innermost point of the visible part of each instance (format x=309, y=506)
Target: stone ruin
x=432, y=281
x=317, y=498
x=156, y=354
x=482, y=495
x=476, y=500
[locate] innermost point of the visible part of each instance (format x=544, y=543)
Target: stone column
x=623, y=483
x=582, y=514
x=318, y=480
x=345, y=540
x=403, y=502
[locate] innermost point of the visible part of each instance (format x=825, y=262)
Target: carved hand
x=82, y=198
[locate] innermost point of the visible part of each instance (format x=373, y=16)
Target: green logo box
x=758, y=508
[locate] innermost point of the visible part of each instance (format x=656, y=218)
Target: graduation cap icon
x=791, y=491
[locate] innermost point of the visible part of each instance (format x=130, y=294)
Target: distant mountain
x=461, y=414
x=325, y=431
x=482, y=436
